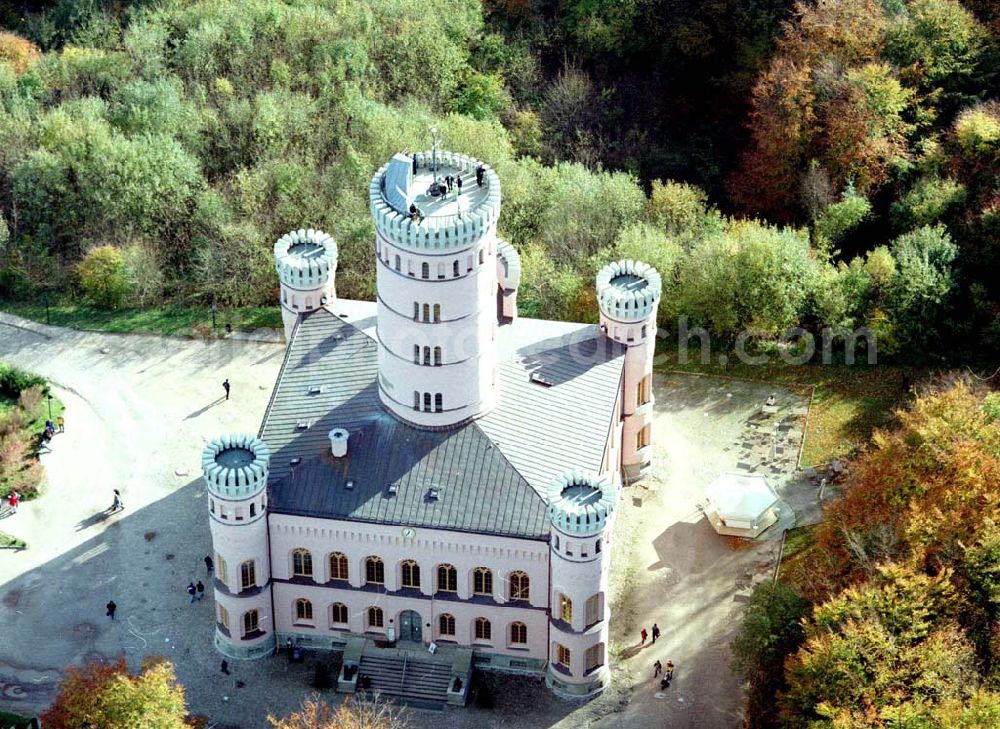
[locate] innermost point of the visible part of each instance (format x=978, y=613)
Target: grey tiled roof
x=489, y=474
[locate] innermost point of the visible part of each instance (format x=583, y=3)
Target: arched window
x=223, y=617
x=410, y=574
x=440, y=270
x=518, y=634
x=416, y=311
x=374, y=571
x=482, y=258
x=454, y=268
x=482, y=581
x=565, y=609
x=416, y=354
x=427, y=401
x=484, y=630
x=375, y=617
x=338, y=566
x=338, y=613
x=438, y=402
x=447, y=578
x=425, y=270
x=437, y=312
x=303, y=609
x=519, y=586
x=302, y=563
x=416, y=400
x=248, y=575
x=251, y=622
x=397, y=262
x=446, y=625
x=427, y=312
x=309, y=303
x=437, y=356
x=468, y=263
x=211, y=506
x=221, y=569
x=253, y=509
x=427, y=355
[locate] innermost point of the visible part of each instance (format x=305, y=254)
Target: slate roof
x=490, y=474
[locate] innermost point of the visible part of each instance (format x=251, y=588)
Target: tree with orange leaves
x=357, y=712
x=109, y=696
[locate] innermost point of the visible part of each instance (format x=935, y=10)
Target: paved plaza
x=138, y=409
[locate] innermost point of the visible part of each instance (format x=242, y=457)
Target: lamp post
x=49, y=398
x=213, y=315
x=434, y=150
x=45, y=298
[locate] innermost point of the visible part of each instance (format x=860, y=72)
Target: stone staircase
x=416, y=682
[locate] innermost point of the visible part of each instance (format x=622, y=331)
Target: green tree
x=923, y=282
x=771, y=630
x=104, y=277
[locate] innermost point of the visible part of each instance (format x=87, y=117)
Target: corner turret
x=235, y=470
x=581, y=510
x=628, y=293
x=306, y=262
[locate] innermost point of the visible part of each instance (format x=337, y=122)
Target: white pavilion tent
x=741, y=504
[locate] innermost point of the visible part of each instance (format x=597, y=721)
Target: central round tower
x=436, y=250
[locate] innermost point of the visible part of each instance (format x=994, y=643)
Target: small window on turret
x=253, y=509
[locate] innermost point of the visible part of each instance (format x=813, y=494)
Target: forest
x=829, y=164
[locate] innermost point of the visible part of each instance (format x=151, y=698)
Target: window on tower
x=454, y=268
x=427, y=401
x=438, y=402
x=427, y=355
x=427, y=312
x=437, y=312
x=437, y=356
x=398, y=263
x=425, y=270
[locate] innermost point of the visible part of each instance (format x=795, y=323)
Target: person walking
x=643, y=634
x=209, y=566
x=657, y=668
x=458, y=183
x=224, y=667
x=13, y=500
x=480, y=174
x=201, y=590
x=117, y=504
x=111, y=609
x=450, y=182
x=669, y=673
x=656, y=632
x=61, y=424
x=193, y=592
x=225, y=386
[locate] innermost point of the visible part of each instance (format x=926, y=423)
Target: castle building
x=434, y=473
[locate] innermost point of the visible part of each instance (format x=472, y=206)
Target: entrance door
x=410, y=626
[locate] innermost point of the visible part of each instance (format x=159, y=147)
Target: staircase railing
x=402, y=680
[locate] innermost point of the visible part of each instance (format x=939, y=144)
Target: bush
x=14, y=381
x=104, y=277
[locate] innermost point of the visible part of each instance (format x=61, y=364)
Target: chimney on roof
x=338, y=442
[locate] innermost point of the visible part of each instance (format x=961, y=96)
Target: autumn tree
x=109, y=696
x=357, y=712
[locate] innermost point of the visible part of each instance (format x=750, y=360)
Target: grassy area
x=36, y=426
x=848, y=402
x=173, y=320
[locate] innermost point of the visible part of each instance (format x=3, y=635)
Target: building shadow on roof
x=557, y=360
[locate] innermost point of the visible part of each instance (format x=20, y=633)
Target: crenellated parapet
x=628, y=291
x=580, y=503
x=451, y=230
x=305, y=258
x=235, y=466
x=508, y=265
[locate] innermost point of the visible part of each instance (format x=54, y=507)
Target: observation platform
x=445, y=220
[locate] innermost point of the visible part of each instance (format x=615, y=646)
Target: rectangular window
x=642, y=438
x=562, y=655
x=594, y=657
x=221, y=571
x=223, y=617
x=593, y=609
x=642, y=391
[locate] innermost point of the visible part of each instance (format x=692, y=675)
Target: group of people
x=666, y=674
x=197, y=592
x=52, y=428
